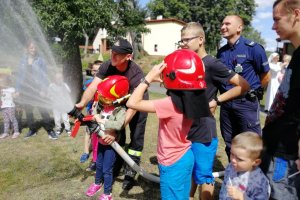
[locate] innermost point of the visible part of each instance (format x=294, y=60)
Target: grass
x=39, y=168
x=42, y=169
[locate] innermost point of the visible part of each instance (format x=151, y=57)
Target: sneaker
x=30, y=134
x=15, y=135
x=52, y=135
x=128, y=183
x=68, y=132
x=93, y=189
x=105, y=197
x=4, y=135
x=57, y=132
x=92, y=167
x=84, y=157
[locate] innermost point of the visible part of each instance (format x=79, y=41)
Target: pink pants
x=94, y=141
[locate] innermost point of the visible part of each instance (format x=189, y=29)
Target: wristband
x=143, y=80
x=217, y=100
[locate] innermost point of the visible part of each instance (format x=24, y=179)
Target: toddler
x=110, y=119
x=59, y=93
x=8, y=108
x=243, y=178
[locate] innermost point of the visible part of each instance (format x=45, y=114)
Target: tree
x=209, y=13
x=68, y=20
x=129, y=18
x=254, y=35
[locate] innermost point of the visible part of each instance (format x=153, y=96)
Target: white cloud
x=264, y=3
x=264, y=15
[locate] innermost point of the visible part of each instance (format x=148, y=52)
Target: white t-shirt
x=7, y=97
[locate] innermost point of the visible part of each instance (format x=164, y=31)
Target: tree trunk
x=86, y=43
x=73, y=73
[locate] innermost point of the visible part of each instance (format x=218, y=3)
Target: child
x=110, y=119
x=243, y=178
x=8, y=108
x=183, y=77
x=59, y=93
x=91, y=139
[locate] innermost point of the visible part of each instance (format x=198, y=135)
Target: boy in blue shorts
x=203, y=133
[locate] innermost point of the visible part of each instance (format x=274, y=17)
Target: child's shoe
x=4, y=135
x=105, y=197
x=93, y=189
x=92, y=167
x=15, y=135
x=84, y=157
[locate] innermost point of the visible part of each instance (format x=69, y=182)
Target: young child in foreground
x=243, y=178
x=111, y=119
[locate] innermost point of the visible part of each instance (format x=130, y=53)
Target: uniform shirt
x=281, y=131
x=246, y=58
x=172, y=133
x=216, y=74
x=254, y=184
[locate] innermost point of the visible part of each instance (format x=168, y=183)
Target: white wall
x=164, y=34
x=102, y=34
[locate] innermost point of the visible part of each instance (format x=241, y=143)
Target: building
x=163, y=36
x=161, y=40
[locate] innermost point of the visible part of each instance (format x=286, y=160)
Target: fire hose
x=96, y=128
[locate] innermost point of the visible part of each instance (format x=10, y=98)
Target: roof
x=151, y=21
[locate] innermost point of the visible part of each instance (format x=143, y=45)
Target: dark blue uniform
x=249, y=60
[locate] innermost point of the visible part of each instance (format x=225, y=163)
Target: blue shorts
x=175, y=179
x=204, y=154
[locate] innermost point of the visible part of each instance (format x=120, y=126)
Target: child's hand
x=108, y=138
x=234, y=193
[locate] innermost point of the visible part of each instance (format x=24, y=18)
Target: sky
x=262, y=22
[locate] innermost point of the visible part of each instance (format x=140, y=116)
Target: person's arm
x=264, y=79
x=136, y=101
x=241, y=87
x=89, y=93
x=129, y=115
x=118, y=121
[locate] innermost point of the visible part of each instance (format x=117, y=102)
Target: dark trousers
x=237, y=116
x=104, y=167
x=35, y=125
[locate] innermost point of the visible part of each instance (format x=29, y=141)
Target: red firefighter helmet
x=112, y=88
x=185, y=71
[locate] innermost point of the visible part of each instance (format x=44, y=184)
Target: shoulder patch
x=250, y=43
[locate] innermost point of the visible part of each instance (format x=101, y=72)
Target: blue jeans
x=104, y=167
x=175, y=180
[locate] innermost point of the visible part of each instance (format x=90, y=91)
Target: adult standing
x=282, y=127
x=121, y=64
x=32, y=83
x=203, y=132
x=274, y=82
x=249, y=60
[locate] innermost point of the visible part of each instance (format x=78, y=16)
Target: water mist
x=18, y=24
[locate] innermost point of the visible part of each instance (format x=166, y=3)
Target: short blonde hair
x=249, y=141
x=195, y=28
